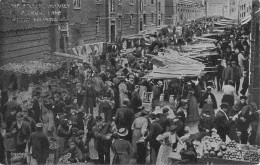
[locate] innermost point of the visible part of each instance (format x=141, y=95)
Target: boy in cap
x=21, y=129
x=74, y=151
x=40, y=146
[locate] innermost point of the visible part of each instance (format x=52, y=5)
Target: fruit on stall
x=206, y=153
x=251, y=156
x=232, y=145
x=212, y=154
x=220, y=155
x=223, y=147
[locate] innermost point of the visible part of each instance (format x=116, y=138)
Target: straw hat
x=122, y=132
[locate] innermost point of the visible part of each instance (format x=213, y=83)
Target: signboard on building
x=215, y=10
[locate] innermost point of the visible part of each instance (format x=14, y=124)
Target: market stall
x=211, y=149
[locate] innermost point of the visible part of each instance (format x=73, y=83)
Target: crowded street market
x=175, y=95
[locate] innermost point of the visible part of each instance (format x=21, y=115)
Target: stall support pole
x=254, y=80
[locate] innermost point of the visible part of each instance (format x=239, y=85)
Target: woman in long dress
x=121, y=148
x=193, y=113
x=123, y=92
x=169, y=141
x=139, y=128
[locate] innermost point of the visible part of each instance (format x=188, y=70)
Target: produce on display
x=214, y=147
x=64, y=159
x=31, y=67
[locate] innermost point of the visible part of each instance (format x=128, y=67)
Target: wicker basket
x=10, y=144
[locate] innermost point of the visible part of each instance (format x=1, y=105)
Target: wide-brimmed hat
x=209, y=87
x=243, y=97
x=39, y=125
x=122, y=132
x=173, y=128
x=99, y=118
x=233, y=62
x=224, y=105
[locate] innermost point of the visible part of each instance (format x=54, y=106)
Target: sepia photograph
x=129, y=82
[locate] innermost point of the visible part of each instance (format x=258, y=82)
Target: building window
x=152, y=18
x=151, y=1
x=120, y=1
x=97, y=24
x=159, y=6
x=112, y=6
x=77, y=4
x=132, y=1
x=141, y=5
x=98, y=1
x=144, y=19
x=131, y=19
x=144, y=2
x=119, y=20
x=25, y=1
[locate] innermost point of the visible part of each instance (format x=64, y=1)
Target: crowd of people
x=101, y=118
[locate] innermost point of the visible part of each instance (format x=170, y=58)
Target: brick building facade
x=179, y=11
x=59, y=25
x=23, y=33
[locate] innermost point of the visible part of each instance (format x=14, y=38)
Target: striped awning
x=187, y=2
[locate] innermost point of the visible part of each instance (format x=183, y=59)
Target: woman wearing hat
x=169, y=141
x=193, y=113
x=139, y=128
x=121, y=148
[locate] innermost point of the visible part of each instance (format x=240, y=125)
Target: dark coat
x=222, y=124
x=136, y=100
x=156, y=93
x=36, y=110
x=236, y=74
x=164, y=122
x=227, y=74
x=2, y=150
x=122, y=150
x=80, y=97
x=23, y=133
x=124, y=117
x=101, y=144
x=205, y=96
x=90, y=96
x=155, y=129
x=40, y=147
x=205, y=123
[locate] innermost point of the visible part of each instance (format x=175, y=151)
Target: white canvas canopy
x=246, y=20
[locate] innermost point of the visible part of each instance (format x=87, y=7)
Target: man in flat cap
x=102, y=134
x=39, y=144
x=236, y=75
x=222, y=122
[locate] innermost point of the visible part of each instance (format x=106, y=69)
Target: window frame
x=131, y=19
x=113, y=6
x=97, y=24
x=78, y=6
